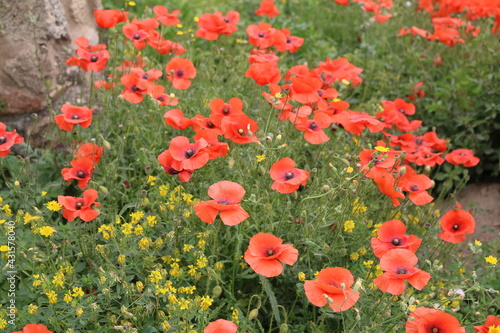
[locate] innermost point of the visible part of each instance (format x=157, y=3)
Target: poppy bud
x=284, y=328
x=278, y=137
x=427, y=169
x=262, y=171
x=253, y=314
x=230, y=162
x=217, y=291
x=402, y=171
x=295, y=195
x=328, y=299
x=103, y=190
x=325, y=188
x=106, y=144
x=268, y=207
x=358, y=317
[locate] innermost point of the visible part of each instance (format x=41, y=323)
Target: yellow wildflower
x=67, y=298
x=155, y=276
x=302, y=276
x=381, y=149
x=28, y=218
x=54, y=206
x=260, y=158
x=46, y=231
x=4, y=248
x=32, y=309
x=121, y=259
x=349, y=226
x=477, y=243
x=77, y=292
x=151, y=180
x=491, y=260
x=78, y=312
x=206, y=301
x=151, y=220
x=52, y=296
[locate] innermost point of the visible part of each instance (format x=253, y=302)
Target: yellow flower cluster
x=349, y=226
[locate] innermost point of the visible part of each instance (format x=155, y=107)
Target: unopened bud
x=253, y=314
x=230, y=162
x=325, y=188
x=284, y=328
x=103, y=190
x=262, y=171
x=106, y=144
x=328, y=298
x=217, y=291
x=402, y=171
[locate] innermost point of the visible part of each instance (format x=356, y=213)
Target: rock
x=35, y=40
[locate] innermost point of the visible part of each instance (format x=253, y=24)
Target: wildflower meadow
x=260, y=166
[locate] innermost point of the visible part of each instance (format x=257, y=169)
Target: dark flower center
x=419, y=141
x=93, y=58
x=80, y=174
x=462, y=154
x=160, y=98
x=135, y=89
x=414, y=188
x=288, y=40
x=226, y=20
x=289, y=175
x=320, y=93
x=210, y=124
x=269, y=252
x=456, y=227
x=137, y=36
x=435, y=329
x=75, y=116
x=226, y=110
x=261, y=35
x=189, y=153
x=179, y=73
x=313, y=125
x=3, y=140
x=79, y=205
x=241, y=131
x=223, y=202
x=402, y=110
x=401, y=271
x=396, y=241
x=145, y=76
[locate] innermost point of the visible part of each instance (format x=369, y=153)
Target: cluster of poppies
x=89, y=57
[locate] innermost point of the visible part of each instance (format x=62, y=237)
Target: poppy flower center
x=79, y=205
x=189, y=153
x=419, y=141
x=75, y=116
x=270, y=252
x=135, y=89
x=401, y=271
x=241, y=131
x=226, y=110
x=414, y=188
x=456, y=227
x=226, y=20
x=289, y=175
x=402, y=110
x=462, y=154
x=261, y=35
x=179, y=73
x=435, y=330
x=396, y=241
x=288, y=40
x=313, y=125
x=80, y=174
x=3, y=140
x=210, y=124
x=223, y=202
x=137, y=36
x=93, y=58
x=145, y=76
x=320, y=93
x=160, y=98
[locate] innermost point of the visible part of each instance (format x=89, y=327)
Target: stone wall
x=35, y=40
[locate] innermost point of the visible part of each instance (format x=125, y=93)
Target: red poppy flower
x=72, y=115
x=261, y=56
x=179, y=71
x=387, y=185
x=294, y=114
x=491, y=324
x=34, y=328
x=240, y=128
x=81, y=170
x=261, y=35
x=8, y=139
x=277, y=98
x=80, y=207
x=166, y=160
x=267, y=8
x=287, y=178
x=463, y=157
x=391, y=235
x=91, y=151
x=135, y=87
x=176, y=119
x=206, y=129
x=139, y=31
x=290, y=43
x=339, y=69
x=333, y=287
x=398, y=265
x=266, y=253
x=313, y=128
x=226, y=196
x=455, y=224
x=263, y=73
x=214, y=25
x=424, y=320
x=305, y=89
x=416, y=185
x=158, y=93
x=186, y=155
x=377, y=164
x=166, y=18
x=221, y=326
x=416, y=91
x=108, y=18
x=221, y=109
x=356, y=121
x=90, y=57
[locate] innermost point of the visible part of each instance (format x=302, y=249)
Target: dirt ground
x=484, y=200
